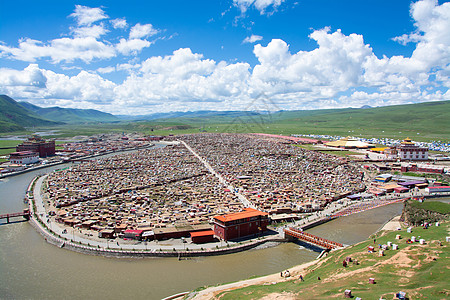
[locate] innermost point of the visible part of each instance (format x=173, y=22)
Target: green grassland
x=14, y=117
x=440, y=207
x=419, y=270
x=7, y=144
x=421, y=122
x=11, y=144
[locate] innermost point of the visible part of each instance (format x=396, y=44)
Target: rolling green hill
x=422, y=122
x=14, y=117
x=430, y=116
x=70, y=115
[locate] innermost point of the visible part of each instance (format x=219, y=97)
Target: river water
x=30, y=268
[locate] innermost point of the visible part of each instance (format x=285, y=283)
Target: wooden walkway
x=312, y=239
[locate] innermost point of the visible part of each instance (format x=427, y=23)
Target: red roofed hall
x=240, y=224
x=133, y=234
x=200, y=237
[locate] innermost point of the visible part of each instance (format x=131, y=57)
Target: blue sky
x=139, y=57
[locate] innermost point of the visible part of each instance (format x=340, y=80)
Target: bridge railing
x=311, y=238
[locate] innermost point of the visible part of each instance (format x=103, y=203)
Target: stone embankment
x=86, y=249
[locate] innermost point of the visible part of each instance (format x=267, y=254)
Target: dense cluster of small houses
x=168, y=190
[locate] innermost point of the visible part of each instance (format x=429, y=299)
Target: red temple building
x=38, y=145
x=240, y=224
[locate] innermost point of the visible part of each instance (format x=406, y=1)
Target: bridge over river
x=312, y=239
x=25, y=214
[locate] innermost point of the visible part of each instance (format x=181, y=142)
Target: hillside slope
x=419, y=270
x=14, y=117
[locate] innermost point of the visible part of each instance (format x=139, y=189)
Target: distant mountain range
x=15, y=116
x=433, y=117
x=188, y=114
x=70, y=115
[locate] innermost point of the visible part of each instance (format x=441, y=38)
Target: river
x=33, y=269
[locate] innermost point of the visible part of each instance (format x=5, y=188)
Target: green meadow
x=419, y=270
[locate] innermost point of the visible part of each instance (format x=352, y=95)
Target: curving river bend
x=32, y=269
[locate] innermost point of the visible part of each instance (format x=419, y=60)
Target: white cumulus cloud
x=252, y=39
x=106, y=70
x=180, y=80
x=341, y=71
x=132, y=46
x=85, y=16
x=334, y=66
x=119, y=23
x=85, y=42
x=94, y=31
x=139, y=31
x=63, y=49
x=31, y=76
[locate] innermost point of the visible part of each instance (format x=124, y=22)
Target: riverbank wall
x=86, y=249
x=316, y=223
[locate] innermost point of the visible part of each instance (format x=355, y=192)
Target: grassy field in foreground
x=419, y=270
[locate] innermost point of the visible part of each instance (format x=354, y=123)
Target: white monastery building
x=407, y=150
x=23, y=157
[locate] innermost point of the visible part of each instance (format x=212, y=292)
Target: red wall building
x=240, y=224
x=422, y=169
x=38, y=145
x=201, y=237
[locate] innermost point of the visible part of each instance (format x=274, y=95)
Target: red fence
x=312, y=239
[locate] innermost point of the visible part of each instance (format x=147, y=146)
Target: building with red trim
x=422, y=168
x=438, y=189
x=408, y=150
x=24, y=157
x=132, y=234
x=240, y=224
